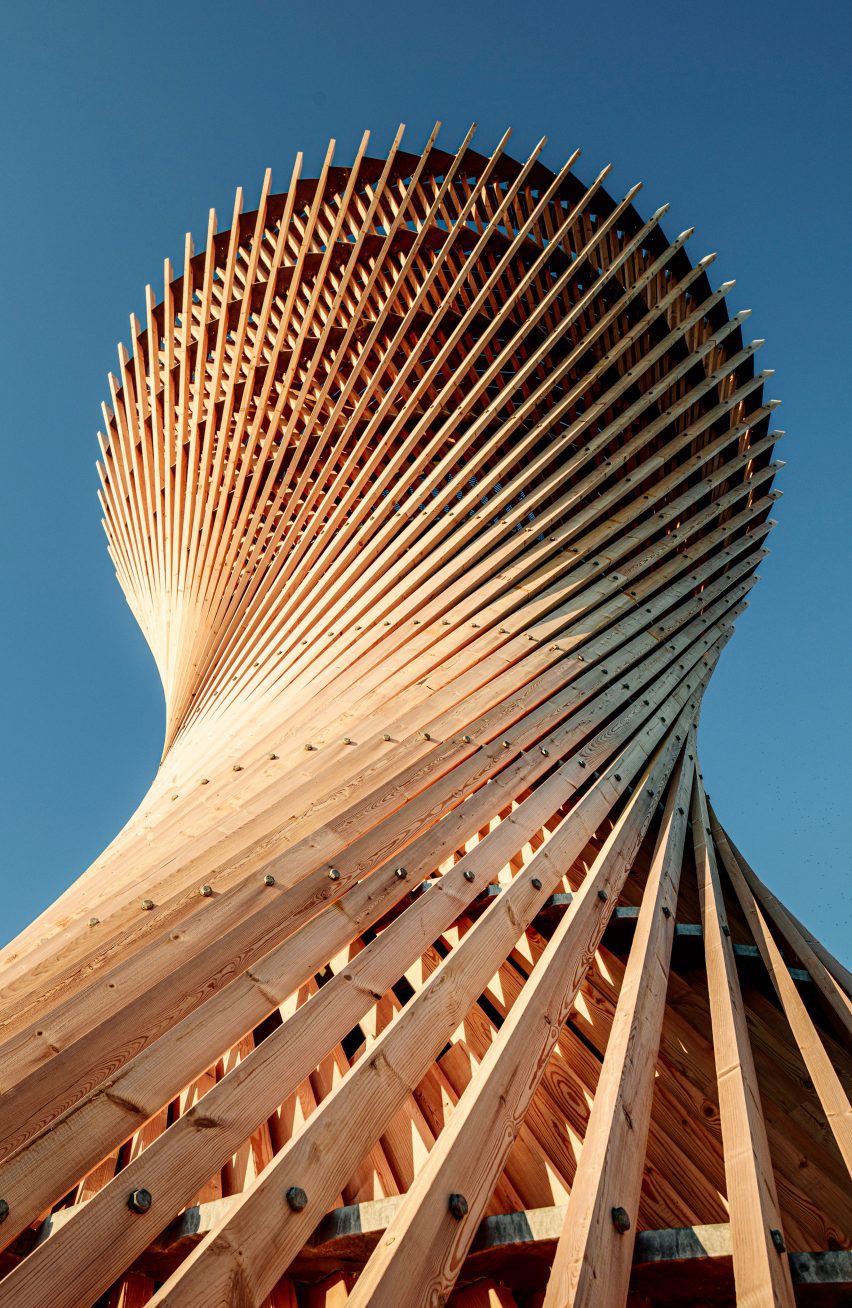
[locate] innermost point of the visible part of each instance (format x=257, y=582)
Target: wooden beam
x=761, y=1264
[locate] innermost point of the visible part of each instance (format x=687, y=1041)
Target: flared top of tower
x=397, y=368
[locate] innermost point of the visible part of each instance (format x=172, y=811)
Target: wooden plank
x=825, y=1080
x=593, y=1258
x=761, y=1269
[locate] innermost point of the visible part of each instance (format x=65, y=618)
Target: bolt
x=204, y=781
x=507, y=744
x=667, y=912
x=273, y=757
x=468, y=875
x=206, y=891
x=778, y=1240
x=269, y=879
x=346, y=740
x=618, y=776
x=726, y=930
x=535, y=883
x=386, y=736
x=147, y=904
x=139, y=1201
x=333, y=874
x=4, y=1210
x=425, y=735
x=296, y=1198
x=466, y=739
x=620, y=1220
x=93, y=921
x=308, y=748
x=545, y=752
x=238, y=767
x=603, y=894
x=457, y=1205
x=400, y=873
x=581, y=763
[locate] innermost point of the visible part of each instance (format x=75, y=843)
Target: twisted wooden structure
x=425, y=971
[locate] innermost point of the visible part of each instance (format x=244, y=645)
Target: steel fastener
x=206, y=891
x=269, y=879
x=400, y=873
x=457, y=1205
x=468, y=875
x=535, y=883
x=620, y=1220
x=147, y=904
x=296, y=1198
x=139, y=1201
x=333, y=874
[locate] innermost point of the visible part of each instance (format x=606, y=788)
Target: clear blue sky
x=122, y=125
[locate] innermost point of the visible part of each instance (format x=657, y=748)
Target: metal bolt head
x=269, y=879
x=206, y=891
x=425, y=735
x=620, y=1220
x=296, y=1198
x=545, y=752
x=667, y=912
x=139, y=1201
x=778, y=1240
x=468, y=875
x=386, y=736
x=147, y=904
x=466, y=739
x=535, y=883
x=457, y=1205
x=238, y=767
x=347, y=740
x=507, y=744
x=273, y=757
x=4, y=1210
x=333, y=874
x=603, y=895
x=308, y=748
x=400, y=873
x=205, y=781
x=93, y=921
x=726, y=930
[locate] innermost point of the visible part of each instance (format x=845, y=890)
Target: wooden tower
x=425, y=972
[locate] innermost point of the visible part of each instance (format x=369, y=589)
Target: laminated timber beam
x=437, y=485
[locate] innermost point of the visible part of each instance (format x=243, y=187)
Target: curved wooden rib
x=436, y=485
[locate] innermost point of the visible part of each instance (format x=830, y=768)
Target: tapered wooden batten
x=425, y=973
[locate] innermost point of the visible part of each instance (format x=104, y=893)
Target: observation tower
x=425, y=972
